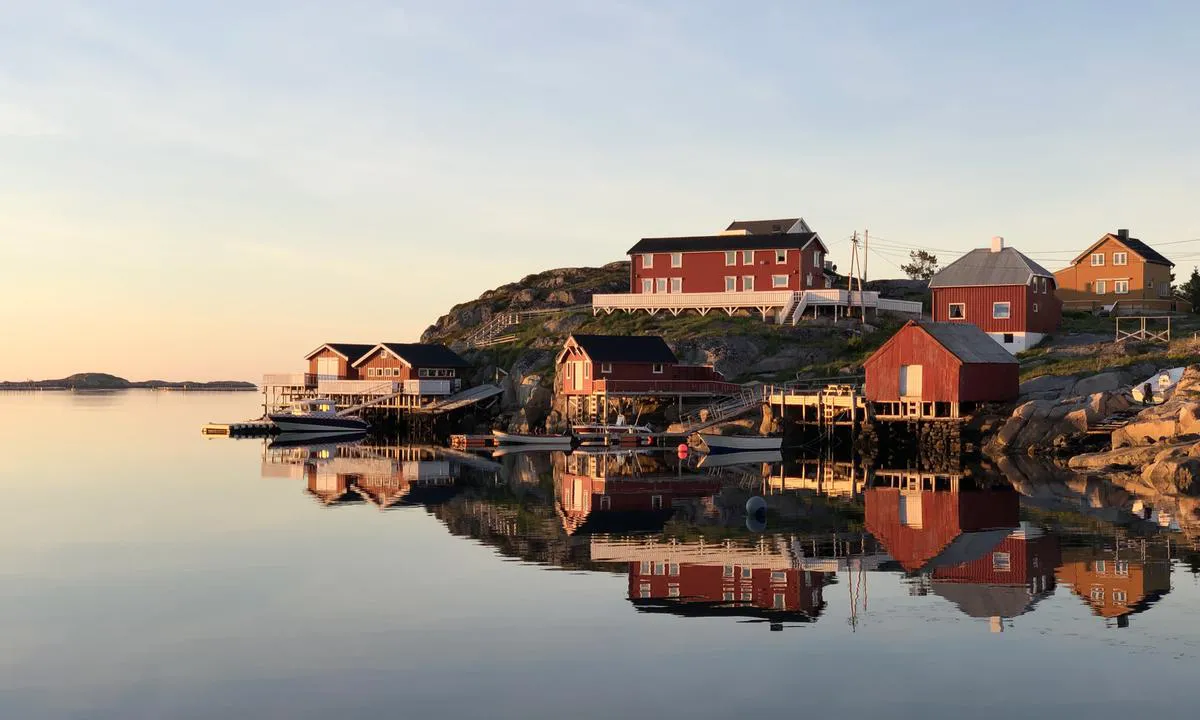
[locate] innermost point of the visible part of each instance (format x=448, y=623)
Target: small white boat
x=317, y=415
x=739, y=443
x=1159, y=383
x=550, y=441
x=612, y=434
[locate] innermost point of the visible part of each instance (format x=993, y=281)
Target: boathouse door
x=577, y=372
x=910, y=381
x=327, y=367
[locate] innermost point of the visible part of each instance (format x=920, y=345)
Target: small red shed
x=937, y=370
x=626, y=365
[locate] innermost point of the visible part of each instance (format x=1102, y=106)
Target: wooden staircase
x=494, y=331
x=717, y=413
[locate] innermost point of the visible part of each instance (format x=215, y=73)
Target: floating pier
x=250, y=428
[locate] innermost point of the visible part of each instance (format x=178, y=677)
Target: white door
x=910, y=381
x=327, y=367
x=577, y=371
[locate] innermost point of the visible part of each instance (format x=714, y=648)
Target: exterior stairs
x=736, y=406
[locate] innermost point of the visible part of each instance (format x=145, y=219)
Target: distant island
x=104, y=381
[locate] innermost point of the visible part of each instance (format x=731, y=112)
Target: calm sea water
x=150, y=573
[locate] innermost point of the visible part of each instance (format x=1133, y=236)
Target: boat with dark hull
x=317, y=415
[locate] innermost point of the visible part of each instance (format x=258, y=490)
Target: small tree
x=924, y=265
x=1191, y=289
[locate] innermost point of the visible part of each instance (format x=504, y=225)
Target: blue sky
x=211, y=189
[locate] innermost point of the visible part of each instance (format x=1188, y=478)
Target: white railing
x=690, y=301
x=357, y=387
x=910, y=307
x=288, y=379
x=427, y=387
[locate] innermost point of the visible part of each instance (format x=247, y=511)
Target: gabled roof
x=625, y=348
x=763, y=227
x=352, y=352
x=986, y=601
x=965, y=341
x=982, y=267
x=1135, y=246
x=420, y=355
x=709, y=243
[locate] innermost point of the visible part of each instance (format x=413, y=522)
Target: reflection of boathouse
x=623, y=491
x=762, y=580
x=968, y=545
x=1116, y=583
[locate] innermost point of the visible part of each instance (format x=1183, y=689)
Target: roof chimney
x=997, y=244
x=1123, y=233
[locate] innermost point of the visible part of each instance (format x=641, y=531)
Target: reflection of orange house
x=623, y=492
x=1111, y=584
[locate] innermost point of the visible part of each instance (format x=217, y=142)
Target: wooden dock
x=248, y=429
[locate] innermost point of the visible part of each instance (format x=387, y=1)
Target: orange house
x=1118, y=268
x=1112, y=586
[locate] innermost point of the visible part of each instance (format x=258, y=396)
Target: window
x=1120, y=258
x=817, y=258
x=747, y=596
x=370, y=372
x=1000, y=310
x=780, y=601
x=808, y=280
x=644, y=590
x=957, y=311
x=1097, y=259
x=1121, y=567
x=1101, y=287
x=1149, y=284
x=730, y=257
x=781, y=256
x=1008, y=338
x=1035, y=307
x=605, y=368
x=1119, y=597
x=676, y=285
x=657, y=368
x=731, y=283
x=1097, y=592
x=747, y=257
x=396, y=372
x=605, y=502
x=780, y=281
x=1001, y=562
x=727, y=596
x=660, y=285
x=1121, y=287
x=677, y=260
x=747, y=573
x=778, y=576
x=727, y=572
x=1045, y=286
x=672, y=591
x=647, y=285
x=1164, y=290
x=646, y=567
x=647, y=261
x=674, y=570
x=1100, y=567
x=748, y=283
x=656, y=502
x=660, y=568
x=587, y=370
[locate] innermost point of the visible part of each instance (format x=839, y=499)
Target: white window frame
x=1120, y=287
x=1100, y=567
x=1035, y=307
x=1101, y=287
x=370, y=372
x=605, y=368
x=673, y=590
x=747, y=257
x=817, y=259
x=676, y=285
x=731, y=283
x=676, y=259
x=1097, y=259
x=747, y=596
x=731, y=258
x=648, y=260
x=727, y=571
x=950, y=311
x=647, y=286
x=657, y=368
x=747, y=283
x=673, y=570
x=644, y=590
x=779, y=281
x=605, y=502
x=778, y=576
x=1007, y=310
x=1149, y=283
x=647, y=567
x=1120, y=258
x=656, y=503
x=780, y=256
x=1002, y=562
x=660, y=285
x=1119, y=597
x=747, y=573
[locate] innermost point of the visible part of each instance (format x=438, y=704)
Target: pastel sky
x=210, y=189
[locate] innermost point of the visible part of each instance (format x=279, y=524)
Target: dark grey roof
x=967, y=547
x=1148, y=253
x=983, y=267
x=353, y=352
x=763, y=227
x=426, y=355
x=722, y=242
x=986, y=601
x=626, y=348
x=968, y=342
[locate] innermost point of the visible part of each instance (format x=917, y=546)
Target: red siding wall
x=380, y=359
x=1030, y=558
x=995, y=382
x=344, y=370
x=708, y=583
x=913, y=346
x=944, y=516
x=565, y=373
x=1022, y=298
x=706, y=271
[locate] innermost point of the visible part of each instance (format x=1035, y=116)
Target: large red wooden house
x=335, y=361
x=750, y=256
x=1001, y=291
x=412, y=361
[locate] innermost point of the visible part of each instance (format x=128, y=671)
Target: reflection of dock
x=825, y=477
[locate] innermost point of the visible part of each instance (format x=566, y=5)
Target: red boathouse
x=335, y=361
x=939, y=370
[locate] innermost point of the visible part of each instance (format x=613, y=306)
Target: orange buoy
x=683, y=448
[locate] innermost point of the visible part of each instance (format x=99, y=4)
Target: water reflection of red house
x=725, y=579
x=623, y=492
x=384, y=476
